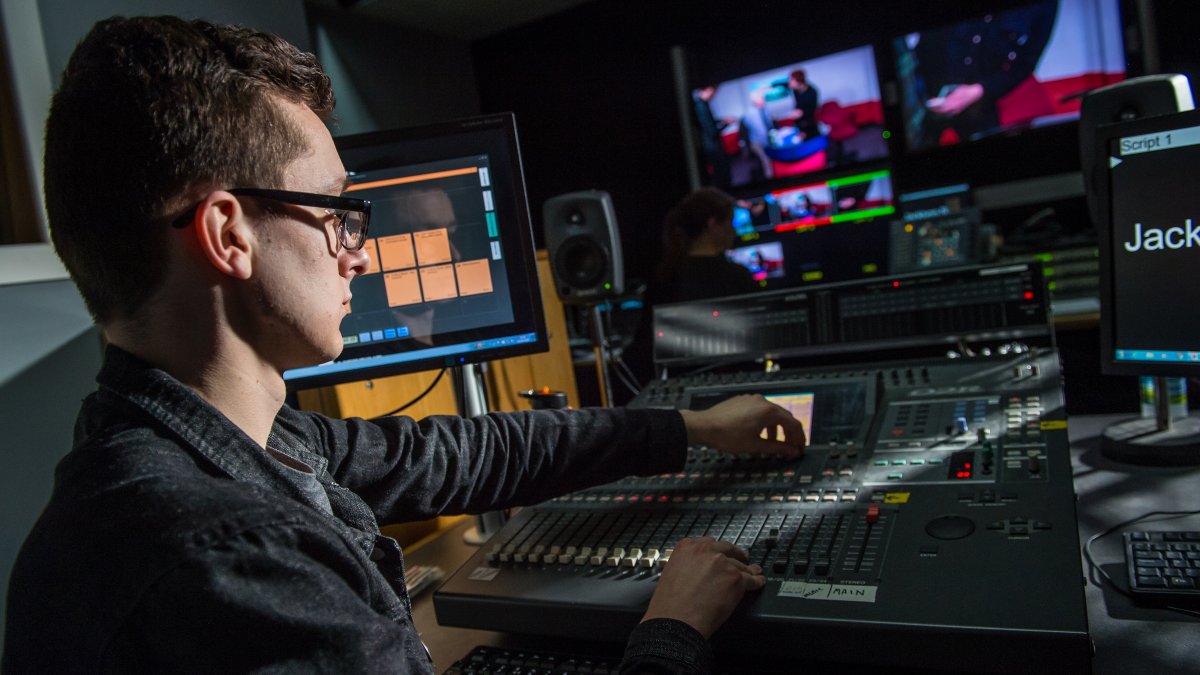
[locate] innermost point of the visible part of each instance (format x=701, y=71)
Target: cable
x=628, y=378
x=422, y=395
x=1092, y=565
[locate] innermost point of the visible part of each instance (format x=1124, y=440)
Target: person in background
x=696, y=233
x=199, y=524
x=806, y=97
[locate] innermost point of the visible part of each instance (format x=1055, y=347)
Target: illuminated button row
x=919, y=461
x=599, y=556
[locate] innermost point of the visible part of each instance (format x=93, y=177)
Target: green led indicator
x=886, y=134
x=607, y=286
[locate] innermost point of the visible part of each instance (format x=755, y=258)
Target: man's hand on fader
x=746, y=424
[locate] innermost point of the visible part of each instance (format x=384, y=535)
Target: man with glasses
x=199, y=524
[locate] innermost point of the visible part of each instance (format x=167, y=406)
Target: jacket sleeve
x=445, y=464
x=666, y=647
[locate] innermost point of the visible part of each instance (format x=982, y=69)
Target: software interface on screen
x=450, y=277
x=799, y=404
x=1007, y=70
x=1154, y=242
x=936, y=227
x=437, y=265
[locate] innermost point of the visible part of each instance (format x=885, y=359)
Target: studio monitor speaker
x=584, y=246
x=1131, y=99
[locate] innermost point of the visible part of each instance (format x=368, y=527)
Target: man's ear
x=223, y=235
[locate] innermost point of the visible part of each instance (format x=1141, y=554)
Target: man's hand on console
x=746, y=424
x=702, y=583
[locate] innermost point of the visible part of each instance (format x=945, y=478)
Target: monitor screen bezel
x=501, y=128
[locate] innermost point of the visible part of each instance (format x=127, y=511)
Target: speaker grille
x=581, y=262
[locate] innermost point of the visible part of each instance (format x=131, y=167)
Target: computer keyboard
x=1163, y=567
x=497, y=660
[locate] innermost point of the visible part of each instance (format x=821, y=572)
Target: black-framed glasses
x=353, y=215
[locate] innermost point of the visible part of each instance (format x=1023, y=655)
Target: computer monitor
x=936, y=227
x=1149, y=282
x=764, y=125
x=453, y=277
x=1006, y=71
x=1150, y=247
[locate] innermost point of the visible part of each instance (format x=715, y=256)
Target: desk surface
x=1128, y=639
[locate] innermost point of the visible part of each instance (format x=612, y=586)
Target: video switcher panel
x=929, y=525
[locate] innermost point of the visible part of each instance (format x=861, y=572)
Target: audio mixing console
x=930, y=524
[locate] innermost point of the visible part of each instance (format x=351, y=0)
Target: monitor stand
x=1161, y=441
x=472, y=402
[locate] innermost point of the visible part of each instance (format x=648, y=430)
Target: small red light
x=715, y=313
x=1028, y=295
x=895, y=284
x=660, y=333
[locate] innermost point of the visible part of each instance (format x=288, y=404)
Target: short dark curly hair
x=152, y=112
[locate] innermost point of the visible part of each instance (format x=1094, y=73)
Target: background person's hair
x=685, y=222
x=152, y=113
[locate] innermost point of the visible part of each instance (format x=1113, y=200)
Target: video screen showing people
x=791, y=120
x=830, y=230
x=765, y=261
x=1006, y=71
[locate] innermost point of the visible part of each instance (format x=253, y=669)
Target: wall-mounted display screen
x=1006, y=71
x=795, y=119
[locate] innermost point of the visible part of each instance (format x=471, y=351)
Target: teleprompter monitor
x=1150, y=246
x=452, y=277
x=1149, y=238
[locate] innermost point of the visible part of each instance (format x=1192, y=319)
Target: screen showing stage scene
x=1007, y=71
x=765, y=261
x=1154, y=244
x=795, y=119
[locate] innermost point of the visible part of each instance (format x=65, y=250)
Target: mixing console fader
x=930, y=525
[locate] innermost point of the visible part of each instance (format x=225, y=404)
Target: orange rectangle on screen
x=402, y=288
x=438, y=282
x=433, y=246
x=396, y=252
x=372, y=251
x=474, y=277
